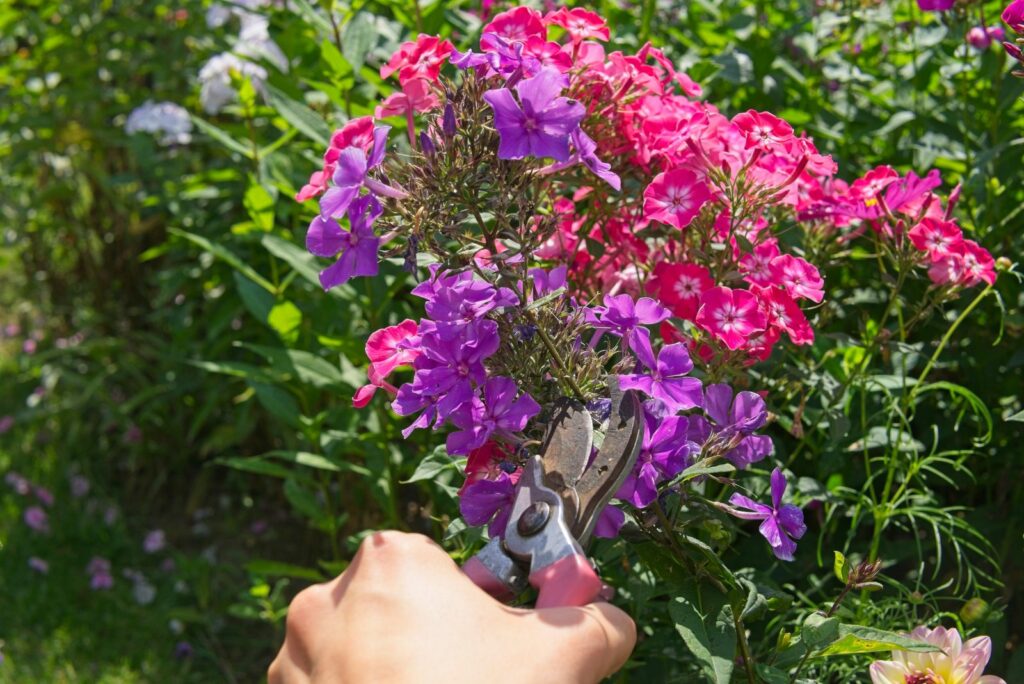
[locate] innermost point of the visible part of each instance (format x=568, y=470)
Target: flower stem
x=555, y=357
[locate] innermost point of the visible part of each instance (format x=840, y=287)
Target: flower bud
x=448, y=121
x=978, y=38
x=427, y=144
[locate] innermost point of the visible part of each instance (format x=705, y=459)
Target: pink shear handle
x=570, y=581
x=487, y=580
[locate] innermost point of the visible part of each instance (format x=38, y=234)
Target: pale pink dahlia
x=957, y=663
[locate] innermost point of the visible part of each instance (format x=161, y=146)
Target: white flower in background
x=958, y=662
x=215, y=78
x=254, y=41
x=170, y=122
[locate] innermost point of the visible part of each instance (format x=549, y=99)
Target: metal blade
x=566, y=450
x=613, y=462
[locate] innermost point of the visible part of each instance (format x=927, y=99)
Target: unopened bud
x=973, y=611
x=427, y=144
x=448, y=121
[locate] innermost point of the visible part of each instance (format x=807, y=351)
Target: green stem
x=556, y=359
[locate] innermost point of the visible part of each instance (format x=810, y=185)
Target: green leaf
x=704, y=621
x=260, y=205
x=304, y=119
x=819, y=631
x=311, y=460
x=854, y=639
x=302, y=261
x=279, y=403
x=302, y=365
x=257, y=300
x=433, y=465
x=222, y=137
x=226, y=255
x=1017, y=417
x=304, y=501
x=276, y=568
x=841, y=566
x=285, y=318
x=255, y=464
x=358, y=39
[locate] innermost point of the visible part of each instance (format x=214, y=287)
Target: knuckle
x=306, y=607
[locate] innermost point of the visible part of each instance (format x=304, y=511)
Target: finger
x=593, y=641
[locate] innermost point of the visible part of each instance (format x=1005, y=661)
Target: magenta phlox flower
x=501, y=412
x=666, y=378
x=351, y=175
x=936, y=5
x=665, y=453
x=1013, y=15
x=625, y=318
x=541, y=123
x=355, y=249
x=783, y=523
x=488, y=501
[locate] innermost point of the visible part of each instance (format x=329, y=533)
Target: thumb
x=594, y=641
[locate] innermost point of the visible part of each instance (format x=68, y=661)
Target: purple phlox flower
x=183, y=650
x=782, y=523
x=539, y=125
x=79, y=486
x=935, y=5
x=44, y=495
x=586, y=152
x=735, y=420
x=468, y=59
x=6, y=423
x=623, y=317
x=439, y=281
x=498, y=412
x=610, y=522
x=409, y=401
x=39, y=565
x=356, y=249
x=155, y=541
x=99, y=571
x=351, y=175
x=508, y=59
x=19, y=483
x=37, y=519
x=488, y=501
x=665, y=453
x=468, y=300
x=545, y=282
x=666, y=379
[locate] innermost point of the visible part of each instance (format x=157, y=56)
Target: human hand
x=404, y=612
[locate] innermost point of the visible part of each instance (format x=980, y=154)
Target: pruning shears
x=558, y=500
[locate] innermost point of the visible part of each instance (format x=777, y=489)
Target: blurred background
x=178, y=446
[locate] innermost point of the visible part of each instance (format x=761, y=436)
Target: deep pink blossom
x=799, y=277
x=763, y=130
x=936, y=5
x=730, y=315
x=675, y=197
x=935, y=236
x=784, y=314
x=416, y=96
x=517, y=24
x=679, y=287
x=385, y=349
x=422, y=58
x=579, y=23
x=1013, y=15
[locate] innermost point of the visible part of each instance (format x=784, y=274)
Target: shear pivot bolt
x=533, y=519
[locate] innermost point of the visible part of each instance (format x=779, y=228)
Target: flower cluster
x=168, y=121
x=910, y=222
x=584, y=214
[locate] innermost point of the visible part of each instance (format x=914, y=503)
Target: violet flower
x=540, y=124
x=734, y=421
x=488, y=502
x=500, y=412
x=356, y=249
x=782, y=523
x=351, y=175
x=586, y=152
x=665, y=453
x=623, y=317
x=666, y=379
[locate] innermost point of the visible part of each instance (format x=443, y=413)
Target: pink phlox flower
x=763, y=131
x=422, y=58
x=782, y=523
x=730, y=315
x=385, y=348
x=935, y=236
x=756, y=266
x=351, y=175
x=517, y=24
x=784, y=314
x=416, y=96
x=579, y=23
x=979, y=266
x=800, y=278
x=679, y=287
x=548, y=53
x=957, y=662
x=356, y=133
x=675, y=197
